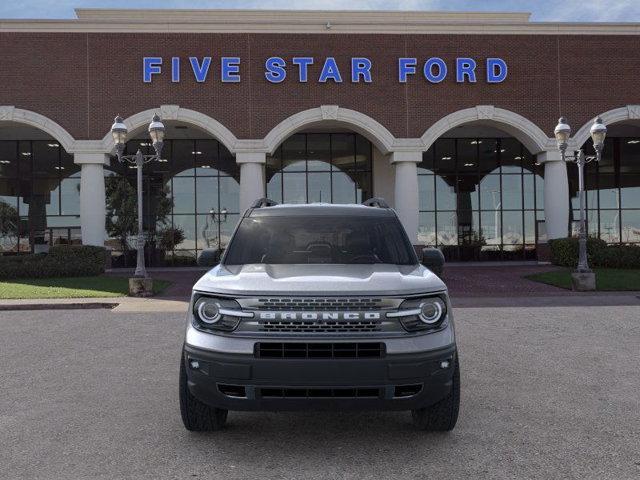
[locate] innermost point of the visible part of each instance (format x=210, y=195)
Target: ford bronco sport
x=317, y=307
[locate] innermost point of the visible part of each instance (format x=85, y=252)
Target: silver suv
x=319, y=306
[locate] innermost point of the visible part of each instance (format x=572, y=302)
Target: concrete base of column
x=583, y=281
x=140, y=287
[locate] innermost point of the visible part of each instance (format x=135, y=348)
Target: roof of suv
x=318, y=209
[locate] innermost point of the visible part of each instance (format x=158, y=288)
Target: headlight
x=217, y=313
x=431, y=311
x=208, y=310
x=421, y=313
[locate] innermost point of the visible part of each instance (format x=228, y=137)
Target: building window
x=480, y=199
x=612, y=192
x=39, y=196
x=321, y=167
x=194, y=190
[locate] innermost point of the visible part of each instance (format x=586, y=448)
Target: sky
x=542, y=10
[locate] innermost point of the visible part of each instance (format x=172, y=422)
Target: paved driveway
x=547, y=393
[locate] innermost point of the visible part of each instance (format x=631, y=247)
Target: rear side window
x=320, y=239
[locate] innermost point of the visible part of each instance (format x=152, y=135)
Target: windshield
x=320, y=239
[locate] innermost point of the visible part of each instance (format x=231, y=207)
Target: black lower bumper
x=393, y=382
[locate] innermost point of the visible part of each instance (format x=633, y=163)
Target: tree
x=122, y=209
x=169, y=237
x=9, y=223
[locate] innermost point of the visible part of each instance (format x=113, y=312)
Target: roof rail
x=376, y=202
x=263, y=202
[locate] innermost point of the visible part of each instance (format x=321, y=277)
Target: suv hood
x=319, y=279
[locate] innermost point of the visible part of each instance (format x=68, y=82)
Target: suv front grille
x=325, y=304
x=319, y=326
x=318, y=316
x=293, y=392
x=319, y=350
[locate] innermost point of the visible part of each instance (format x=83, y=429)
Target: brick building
x=449, y=116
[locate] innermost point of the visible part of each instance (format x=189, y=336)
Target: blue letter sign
x=496, y=70
x=303, y=67
x=175, y=69
x=230, y=69
x=434, y=69
x=150, y=66
x=428, y=70
x=330, y=71
x=406, y=66
x=275, y=69
x=360, y=67
x=465, y=67
x=200, y=71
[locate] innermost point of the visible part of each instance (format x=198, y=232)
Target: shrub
x=619, y=256
x=564, y=252
x=177, y=260
x=169, y=238
x=61, y=261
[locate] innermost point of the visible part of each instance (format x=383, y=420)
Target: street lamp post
x=216, y=219
x=222, y=216
x=583, y=278
x=156, y=132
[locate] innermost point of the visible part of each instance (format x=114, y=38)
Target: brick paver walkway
x=463, y=281
x=498, y=281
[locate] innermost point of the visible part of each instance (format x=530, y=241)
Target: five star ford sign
x=361, y=69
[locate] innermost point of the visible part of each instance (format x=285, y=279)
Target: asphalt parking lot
x=546, y=393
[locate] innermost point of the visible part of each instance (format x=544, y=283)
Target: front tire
x=443, y=415
x=196, y=415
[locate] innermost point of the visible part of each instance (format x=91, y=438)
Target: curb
x=58, y=306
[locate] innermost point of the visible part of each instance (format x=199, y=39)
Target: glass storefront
x=39, y=196
x=321, y=167
x=191, y=201
x=612, y=192
x=480, y=199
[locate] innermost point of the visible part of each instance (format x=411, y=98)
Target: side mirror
x=209, y=257
x=433, y=259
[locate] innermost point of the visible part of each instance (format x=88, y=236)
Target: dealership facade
x=448, y=116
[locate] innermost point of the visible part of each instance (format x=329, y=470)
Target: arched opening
x=327, y=154
x=612, y=187
x=480, y=195
x=190, y=197
x=39, y=190
x=140, y=121
x=321, y=165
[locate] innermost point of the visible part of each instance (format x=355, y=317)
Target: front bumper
x=396, y=381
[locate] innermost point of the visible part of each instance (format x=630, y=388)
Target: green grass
x=607, y=279
x=73, y=287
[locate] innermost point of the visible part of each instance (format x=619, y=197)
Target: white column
x=252, y=185
x=406, y=190
x=92, y=197
x=556, y=194
x=383, y=177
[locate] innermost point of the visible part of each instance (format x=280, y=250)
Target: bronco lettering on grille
x=319, y=316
